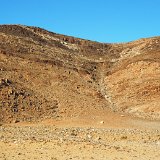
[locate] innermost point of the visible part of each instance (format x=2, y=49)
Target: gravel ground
x=52, y=142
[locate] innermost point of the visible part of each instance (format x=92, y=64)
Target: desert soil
x=98, y=137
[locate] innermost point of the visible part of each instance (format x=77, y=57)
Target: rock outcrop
x=44, y=74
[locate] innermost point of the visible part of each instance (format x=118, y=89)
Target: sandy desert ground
x=97, y=138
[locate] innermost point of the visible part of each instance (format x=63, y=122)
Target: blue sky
x=98, y=20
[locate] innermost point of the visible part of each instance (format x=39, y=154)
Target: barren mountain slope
x=47, y=75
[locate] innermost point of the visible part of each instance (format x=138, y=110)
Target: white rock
x=89, y=136
x=101, y=122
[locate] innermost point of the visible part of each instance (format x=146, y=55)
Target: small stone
x=89, y=136
x=10, y=91
x=7, y=81
x=98, y=138
x=16, y=121
x=124, y=137
x=73, y=134
x=101, y=122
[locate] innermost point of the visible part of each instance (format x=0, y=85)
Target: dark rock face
x=23, y=105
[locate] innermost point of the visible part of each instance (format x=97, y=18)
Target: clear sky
x=99, y=20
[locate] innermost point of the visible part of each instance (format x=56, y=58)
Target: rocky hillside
x=47, y=75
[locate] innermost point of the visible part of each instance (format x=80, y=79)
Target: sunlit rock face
x=48, y=75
